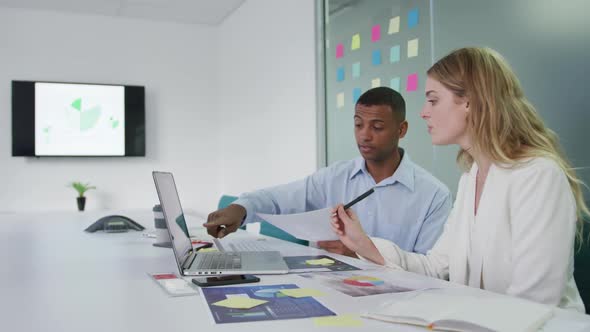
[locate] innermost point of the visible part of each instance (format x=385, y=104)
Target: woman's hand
x=348, y=227
x=346, y=224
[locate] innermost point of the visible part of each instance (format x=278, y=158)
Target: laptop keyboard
x=218, y=261
x=246, y=245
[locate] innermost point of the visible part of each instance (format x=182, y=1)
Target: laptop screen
x=170, y=202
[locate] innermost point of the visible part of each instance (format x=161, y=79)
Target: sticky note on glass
x=356, y=42
x=340, y=321
x=323, y=261
x=356, y=70
x=376, y=57
x=394, y=83
x=302, y=292
x=376, y=82
x=340, y=100
x=394, y=54
x=413, y=18
x=375, y=33
x=239, y=303
x=356, y=94
x=393, y=25
x=340, y=74
x=339, y=51
x=412, y=83
x=412, y=48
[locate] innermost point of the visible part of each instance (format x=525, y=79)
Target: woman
x=512, y=228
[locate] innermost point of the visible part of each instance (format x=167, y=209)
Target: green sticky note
x=356, y=69
x=239, y=302
x=356, y=42
x=302, y=292
x=394, y=54
x=340, y=321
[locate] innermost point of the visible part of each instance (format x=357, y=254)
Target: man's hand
x=336, y=247
x=228, y=220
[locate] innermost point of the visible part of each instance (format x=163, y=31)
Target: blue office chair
x=265, y=228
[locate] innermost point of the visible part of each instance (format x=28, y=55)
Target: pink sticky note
x=376, y=33
x=412, y=83
x=339, y=51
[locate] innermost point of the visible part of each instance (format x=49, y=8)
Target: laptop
x=190, y=262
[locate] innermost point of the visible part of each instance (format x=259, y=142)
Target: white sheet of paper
x=313, y=225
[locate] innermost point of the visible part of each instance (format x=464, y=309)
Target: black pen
x=360, y=198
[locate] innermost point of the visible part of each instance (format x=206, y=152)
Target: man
x=409, y=205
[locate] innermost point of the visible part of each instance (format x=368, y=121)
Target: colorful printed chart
x=363, y=281
x=356, y=284
x=269, y=293
x=260, y=303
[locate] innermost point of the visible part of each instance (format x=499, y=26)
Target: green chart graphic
x=88, y=117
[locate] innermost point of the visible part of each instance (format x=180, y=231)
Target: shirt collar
x=404, y=173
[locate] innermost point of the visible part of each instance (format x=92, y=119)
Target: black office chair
x=582, y=267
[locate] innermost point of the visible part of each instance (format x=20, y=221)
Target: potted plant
x=81, y=188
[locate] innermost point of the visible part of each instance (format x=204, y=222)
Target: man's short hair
x=385, y=96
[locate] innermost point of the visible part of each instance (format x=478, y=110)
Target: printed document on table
x=312, y=226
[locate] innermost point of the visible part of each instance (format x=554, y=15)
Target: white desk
x=55, y=277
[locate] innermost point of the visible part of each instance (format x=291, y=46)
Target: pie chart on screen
x=363, y=281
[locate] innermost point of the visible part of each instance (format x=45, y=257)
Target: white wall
x=267, y=91
x=228, y=109
x=174, y=62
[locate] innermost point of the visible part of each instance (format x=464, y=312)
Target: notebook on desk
x=192, y=262
x=442, y=310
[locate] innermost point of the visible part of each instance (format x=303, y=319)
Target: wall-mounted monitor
x=77, y=119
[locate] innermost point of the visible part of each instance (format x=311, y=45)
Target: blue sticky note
x=413, y=18
x=394, y=83
x=394, y=54
x=356, y=93
x=356, y=69
x=376, y=57
x=340, y=74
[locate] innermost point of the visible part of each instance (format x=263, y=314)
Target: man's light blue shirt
x=408, y=208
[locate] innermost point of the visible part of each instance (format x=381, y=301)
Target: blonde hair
x=502, y=123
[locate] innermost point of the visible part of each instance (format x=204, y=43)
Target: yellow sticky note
x=375, y=83
x=340, y=100
x=323, y=261
x=341, y=321
x=356, y=42
x=412, y=48
x=393, y=25
x=302, y=292
x=208, y=250
x=239, y=302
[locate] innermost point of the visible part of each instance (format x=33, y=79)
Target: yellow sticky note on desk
x=239, y=302
x=301, y=292
x=341, y=321
x=207, y=250
x=323, y=261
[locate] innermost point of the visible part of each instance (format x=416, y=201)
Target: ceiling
x=207, y=12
